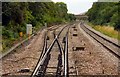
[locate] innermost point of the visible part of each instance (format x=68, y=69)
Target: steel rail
x=66, y=67
x=117, y=45
x=59, y=66
x=44, y=57
x=41, y=62
x=44, y=46
x=107, y=47
x=18, y=44
x=43, y=50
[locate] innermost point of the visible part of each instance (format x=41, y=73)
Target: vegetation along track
x=109, y=45
x=53, y=60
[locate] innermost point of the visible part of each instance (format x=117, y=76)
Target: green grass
x=107, y=30
x=7, y=43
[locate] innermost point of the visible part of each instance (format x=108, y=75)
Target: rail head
x=47, y=52
x=66, y=66
x=117, y=45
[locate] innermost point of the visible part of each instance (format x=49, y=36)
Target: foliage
x=105, y=13
x=16, y=15
x=107, y=30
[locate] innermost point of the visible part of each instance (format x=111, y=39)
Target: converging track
x=54, y=57
x=65, y=50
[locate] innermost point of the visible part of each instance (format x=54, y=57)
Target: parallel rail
x=7, y=52
x=41, y=66
x=109, y=45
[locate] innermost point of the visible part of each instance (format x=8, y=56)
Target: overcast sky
x=77, y=6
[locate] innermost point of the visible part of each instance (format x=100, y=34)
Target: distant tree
x=104, y=13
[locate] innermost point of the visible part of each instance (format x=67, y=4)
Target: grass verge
x=107, y=30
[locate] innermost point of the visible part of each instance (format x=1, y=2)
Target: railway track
x=53, y=60
x=109, y=45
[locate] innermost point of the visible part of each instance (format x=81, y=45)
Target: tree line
x=105, y=13
x=15, y=16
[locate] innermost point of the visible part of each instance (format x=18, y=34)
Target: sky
x=77, y=6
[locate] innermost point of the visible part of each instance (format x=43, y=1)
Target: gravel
x=94, y=59
x=23, y=57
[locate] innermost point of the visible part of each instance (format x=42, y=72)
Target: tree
x=104, y=13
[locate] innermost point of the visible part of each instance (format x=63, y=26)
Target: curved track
x=109, y=45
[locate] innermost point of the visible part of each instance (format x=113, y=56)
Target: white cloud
x=77, y=6
x=74, y=0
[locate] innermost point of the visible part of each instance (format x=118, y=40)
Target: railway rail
x=43, y=65
x=7, y=52
x=53, y=61
x=109, y=45
x=24, y=41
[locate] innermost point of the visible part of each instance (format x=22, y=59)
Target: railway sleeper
x=78, y=48
x=47, y=38
x=59, y=66
x=75, y=29
x=75, y=34
x=24, y=70
x=63, y=41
